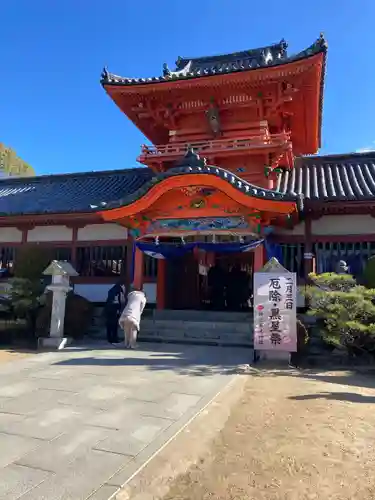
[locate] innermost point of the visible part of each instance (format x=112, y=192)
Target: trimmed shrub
x=345, y=310
x=78, y=316
x=369, y=273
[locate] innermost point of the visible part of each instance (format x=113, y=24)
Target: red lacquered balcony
x=214, y=148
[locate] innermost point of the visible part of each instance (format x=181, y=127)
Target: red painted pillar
x=259, y=259
x=138, y=269
x=308, y=255
x=161, y=289
x=210, y=259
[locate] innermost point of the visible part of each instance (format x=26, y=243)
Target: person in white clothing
x=131, y=317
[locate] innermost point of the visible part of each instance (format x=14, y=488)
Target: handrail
x=181, y=147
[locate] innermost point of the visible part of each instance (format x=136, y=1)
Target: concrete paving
x=79, y=424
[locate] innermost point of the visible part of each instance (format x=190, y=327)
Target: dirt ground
x=8, y=355
x=289, y=436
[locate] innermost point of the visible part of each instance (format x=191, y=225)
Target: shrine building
x=230, y=172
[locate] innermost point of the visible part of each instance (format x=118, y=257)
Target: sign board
x=275, y=298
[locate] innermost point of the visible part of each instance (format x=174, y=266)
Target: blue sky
x=57, y=117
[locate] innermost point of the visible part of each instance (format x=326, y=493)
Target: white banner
x=275, y=298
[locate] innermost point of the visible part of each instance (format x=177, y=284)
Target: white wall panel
x=49, y=233
x=102, y=232
x=10, y=235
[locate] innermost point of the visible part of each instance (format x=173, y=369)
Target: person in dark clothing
x=302, y=339
x=216, y=279
x=238, y=291
x=113, y=307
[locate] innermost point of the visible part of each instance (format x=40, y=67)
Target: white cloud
x=367, y=149
x=364, y=150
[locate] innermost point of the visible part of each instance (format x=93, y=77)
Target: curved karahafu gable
x=193, y=171
x=234, y=181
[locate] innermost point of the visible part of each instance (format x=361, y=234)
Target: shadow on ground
x=350, y=397
x=205, y=360
x=194, y=360
x=361, y=377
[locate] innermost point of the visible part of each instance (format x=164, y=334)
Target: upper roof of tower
x=155, y=105
x=248, y=60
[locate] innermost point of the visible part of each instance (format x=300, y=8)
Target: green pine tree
x=345, y=311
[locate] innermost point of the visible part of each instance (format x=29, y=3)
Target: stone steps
x=198, y=326
x=191, y=327
x=198, y=332
x=184, y=337
x=198, y=316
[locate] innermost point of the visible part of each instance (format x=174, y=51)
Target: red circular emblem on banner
x=260, y=308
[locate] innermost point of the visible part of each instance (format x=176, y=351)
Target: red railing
x=178, y=149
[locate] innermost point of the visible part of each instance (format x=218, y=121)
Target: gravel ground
x=290, y=436
x=7, y=355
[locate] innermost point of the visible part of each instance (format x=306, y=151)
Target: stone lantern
x=61, y=273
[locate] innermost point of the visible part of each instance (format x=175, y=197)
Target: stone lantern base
x=55, y=343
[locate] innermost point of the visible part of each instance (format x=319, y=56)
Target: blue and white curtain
x=232, y=247
x=165, y=251
x=274, y=250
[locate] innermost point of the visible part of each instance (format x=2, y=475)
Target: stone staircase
x=198, y=327
x=189, y=327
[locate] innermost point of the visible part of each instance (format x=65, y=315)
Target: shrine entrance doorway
x=188, y=284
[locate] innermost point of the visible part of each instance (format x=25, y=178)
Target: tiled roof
x=331, y=178
x=254, y=58
x=96, y=191
x=321, y=178
x=82, y=192
x=272, y=55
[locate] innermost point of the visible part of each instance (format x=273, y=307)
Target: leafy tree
x=30, y=262
x=345, y=310
x=369, y=273
x=24, y=295
x=27, y=286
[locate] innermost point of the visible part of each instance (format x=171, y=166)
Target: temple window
x=328, y=254
x=62, y=253
x=150, y=267
x=293, y=257
x=101, y=261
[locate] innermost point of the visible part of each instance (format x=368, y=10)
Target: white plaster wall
x=299, y=230
x=10, y=235
x=150, y=291
x=98, y=292
x=102, y=232
x=49, y=233
x=93, y=292
x=5, y=287
x=335, y=225
x=300, y=299
x=343, y=224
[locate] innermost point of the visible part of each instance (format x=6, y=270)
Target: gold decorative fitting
x=197, y=204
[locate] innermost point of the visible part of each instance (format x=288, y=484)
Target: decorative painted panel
x=200, y=224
